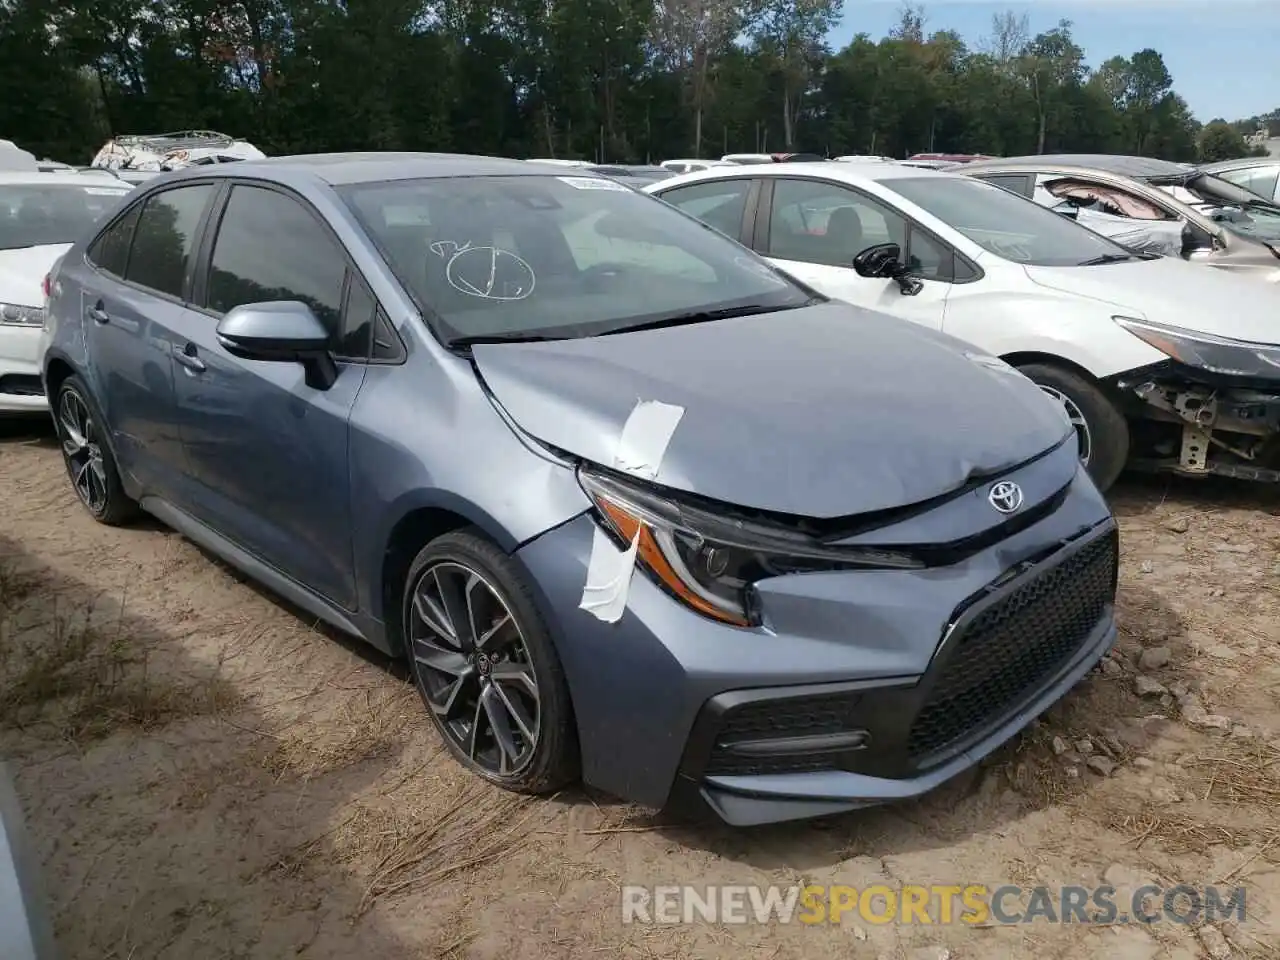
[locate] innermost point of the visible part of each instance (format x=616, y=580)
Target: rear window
x=36, y=214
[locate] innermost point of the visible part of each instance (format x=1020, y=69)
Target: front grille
x=21, y=385
x=769, y=719
x=1011, y=649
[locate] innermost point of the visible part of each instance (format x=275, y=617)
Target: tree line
x=605, y=80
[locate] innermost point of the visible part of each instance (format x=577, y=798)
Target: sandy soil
x=208, y=775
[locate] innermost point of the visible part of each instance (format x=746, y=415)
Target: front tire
x=82, y=433
x=485, y=665
x=1101, y=430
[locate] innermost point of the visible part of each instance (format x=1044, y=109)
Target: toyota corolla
x=636, y=507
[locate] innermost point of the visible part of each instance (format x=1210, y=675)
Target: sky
x=1222, y=53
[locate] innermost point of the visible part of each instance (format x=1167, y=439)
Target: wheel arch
x=419, y=520
x=56, y=370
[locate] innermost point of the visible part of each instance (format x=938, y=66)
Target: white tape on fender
x=644, y=440
x=608, y=577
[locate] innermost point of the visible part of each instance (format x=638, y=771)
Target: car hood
x=822, y=411
x=22, y=272
x=1168, y=290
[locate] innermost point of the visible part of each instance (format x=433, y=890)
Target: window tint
x=927, y=258
x=719, y=204
x=1017, y=182
x=110, y=252
x=823, y=223
x=386, y=342
x=270, y=247
x=165, y=238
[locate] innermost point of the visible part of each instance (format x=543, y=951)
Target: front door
x=268, y=453
x=813, y=230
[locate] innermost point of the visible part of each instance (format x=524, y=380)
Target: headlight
x=1238, y=358
x=14, y=315
x=709, y=561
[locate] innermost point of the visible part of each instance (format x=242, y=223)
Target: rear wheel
x=1102, y=434
x=82, y=432
x=486, y=667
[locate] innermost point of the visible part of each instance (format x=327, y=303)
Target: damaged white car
x=1153, y=205
x=173, y=151
x=1159, y=364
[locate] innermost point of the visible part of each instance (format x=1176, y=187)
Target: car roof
x=857, y=173
x=1239, y=163
x=59, y=178
x=337, y=169
x=1137, y=168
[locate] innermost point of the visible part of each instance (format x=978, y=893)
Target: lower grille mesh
x=1011, y=649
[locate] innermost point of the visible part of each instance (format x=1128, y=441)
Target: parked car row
x=663, y=496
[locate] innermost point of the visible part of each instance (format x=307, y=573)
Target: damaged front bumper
x=1192, y=422
x=860, y=687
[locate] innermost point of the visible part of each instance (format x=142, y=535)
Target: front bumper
x=861, y=687
x=21, y=389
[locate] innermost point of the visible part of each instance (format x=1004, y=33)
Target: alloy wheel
x=82, y=448
x=1076, y=416
x=474, y=668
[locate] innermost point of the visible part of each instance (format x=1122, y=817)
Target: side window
x=270, y=247
x=927, y=258
x=720, y=203
x=110, y=251
x=165, y=238
x=357, y=319
x=1017, y=182
x=823, y=223
x=1261, y=180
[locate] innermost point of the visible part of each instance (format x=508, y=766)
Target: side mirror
x=884, y=262
x=280, y=331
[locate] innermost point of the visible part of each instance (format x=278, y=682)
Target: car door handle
x=98, y=314
x=188, y=358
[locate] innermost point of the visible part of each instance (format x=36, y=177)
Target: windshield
x=35, y=214
x=1008, y=225
x=557, y=256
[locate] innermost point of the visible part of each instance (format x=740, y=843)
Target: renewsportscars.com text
x=972, y=904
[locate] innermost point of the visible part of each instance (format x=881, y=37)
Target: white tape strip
x=644, y=440
x=608, y=577
x=645, y=437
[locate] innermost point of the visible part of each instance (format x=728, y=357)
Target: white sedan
x=41, y=215
x=1160, y=364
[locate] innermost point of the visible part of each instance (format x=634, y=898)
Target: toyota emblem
x=1005, y=496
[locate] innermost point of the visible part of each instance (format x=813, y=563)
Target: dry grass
x=372, y=725
x=83, y=679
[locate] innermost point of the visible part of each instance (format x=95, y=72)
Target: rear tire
x=82, y=433
x=1101, y=429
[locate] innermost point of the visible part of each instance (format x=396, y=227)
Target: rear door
x=268, y=453
x=133, y=302
x=813, y=229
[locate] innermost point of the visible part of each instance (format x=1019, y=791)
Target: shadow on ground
x=101, y=709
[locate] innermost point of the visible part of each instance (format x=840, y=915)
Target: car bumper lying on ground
x=861, y=687
x=20, y=388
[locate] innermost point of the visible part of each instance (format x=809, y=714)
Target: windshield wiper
x=461, y=343
x=1106, y=258
x=705, y=316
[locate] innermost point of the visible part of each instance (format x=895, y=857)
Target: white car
x=688, y=166
x=41, y=215
x=1159, y=363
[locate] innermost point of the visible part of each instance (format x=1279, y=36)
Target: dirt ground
x=208, y=775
